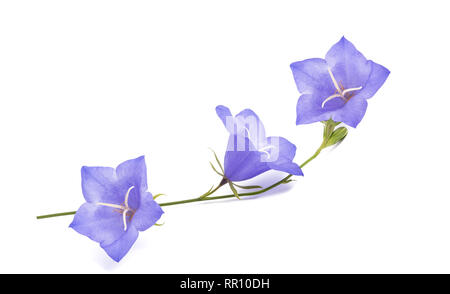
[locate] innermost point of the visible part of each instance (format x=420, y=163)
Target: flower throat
x=341, y=92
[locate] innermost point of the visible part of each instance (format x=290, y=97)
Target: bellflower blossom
x=338, y=86
x=117, y=206
x=250, y=152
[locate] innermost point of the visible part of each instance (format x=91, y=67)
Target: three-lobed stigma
x=123, y=209
x=341, y=91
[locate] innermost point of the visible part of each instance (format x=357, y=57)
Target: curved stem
x=56, y=214
x=282, y=181
x=207, y=198
x=223, y=182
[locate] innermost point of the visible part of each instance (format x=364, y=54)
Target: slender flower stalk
x=328, y=139
x=56, y=214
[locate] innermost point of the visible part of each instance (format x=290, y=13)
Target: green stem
x=202, y=198
x=56, y=214
x=223, y=182
x=282, y=181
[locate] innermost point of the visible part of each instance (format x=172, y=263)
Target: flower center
x=341, y=91
x=263, y=149
x=123, y=209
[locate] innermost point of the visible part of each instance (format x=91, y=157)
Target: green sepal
x=212, y=165
x=218, y=162
x=157, y=195
x=234, y=190
x=337, y=136
x=286, y=181
x=329, y=127
x=207, y=193
x=247, y=187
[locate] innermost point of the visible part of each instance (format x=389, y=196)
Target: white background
x=100, y=82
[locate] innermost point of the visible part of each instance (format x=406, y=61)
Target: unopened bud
x=337, y=136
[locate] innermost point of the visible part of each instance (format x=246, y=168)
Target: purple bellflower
x=250, y=152
x=117, y=206
x=338, y=86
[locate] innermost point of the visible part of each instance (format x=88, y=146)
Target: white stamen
x=128, y=194
x=111, y=205
x=341, y=92
x=248, y=132
x=263, y=150
x=124, y=218
x=125, y=208
x=350, y=90
x=334, y=81
x=331, y=97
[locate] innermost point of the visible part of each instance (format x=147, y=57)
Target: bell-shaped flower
x=338, y=86
x=117, y=206
x=250, y=152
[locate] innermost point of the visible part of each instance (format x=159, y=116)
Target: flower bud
x=329, y=127
x=337, y=136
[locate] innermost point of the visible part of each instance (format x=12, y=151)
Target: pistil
x=341, y=92
x=124, y=209
x=263, y=150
